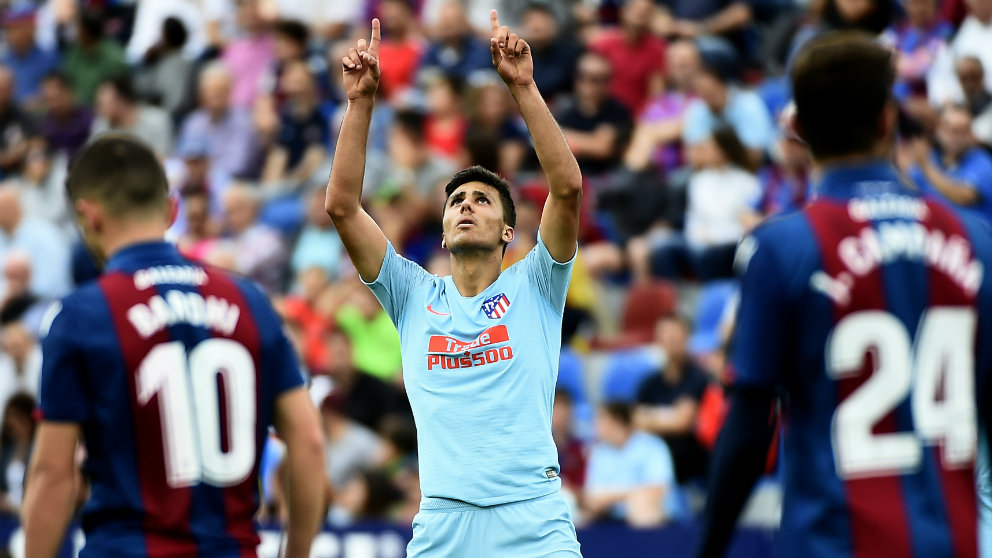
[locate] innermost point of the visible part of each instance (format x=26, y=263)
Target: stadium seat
x=645, y=304
x=625, y=370
x=570, y=376
x=709, y=314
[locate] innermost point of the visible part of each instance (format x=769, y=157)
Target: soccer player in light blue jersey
x=480, y=347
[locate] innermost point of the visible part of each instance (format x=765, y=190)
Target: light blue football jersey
x=480, y=373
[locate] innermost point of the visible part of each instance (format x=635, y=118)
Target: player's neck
x=131, y=235
x=472, y=272
x=881, y=152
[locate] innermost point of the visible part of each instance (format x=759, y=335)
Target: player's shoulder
x=79, y=310
x=779, y=235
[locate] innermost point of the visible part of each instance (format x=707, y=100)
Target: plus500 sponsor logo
x=475, y=351
x=468, y=361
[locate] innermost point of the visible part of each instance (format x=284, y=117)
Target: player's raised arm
x=560, y=221
x=362, y=237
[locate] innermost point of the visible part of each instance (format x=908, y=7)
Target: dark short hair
x=122, y=86
x=488, y=177
x=410, y=122
x=733, y=150
x=293, y=30
x=539, y=7
x=59, y=77
x=621, y=411
x=121, y=173
x=174, y=32
x=841, y=83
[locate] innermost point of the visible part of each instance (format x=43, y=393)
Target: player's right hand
x=361, y=67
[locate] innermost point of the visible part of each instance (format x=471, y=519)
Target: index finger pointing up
x=494, y=20
x=376, y=38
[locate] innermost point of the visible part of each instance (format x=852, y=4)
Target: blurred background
x=677, y=111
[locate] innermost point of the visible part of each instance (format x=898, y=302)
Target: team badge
x=496, y=306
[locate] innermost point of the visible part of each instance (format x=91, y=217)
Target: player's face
x=473, y=220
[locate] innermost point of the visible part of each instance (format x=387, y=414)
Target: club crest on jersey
x=496, y=306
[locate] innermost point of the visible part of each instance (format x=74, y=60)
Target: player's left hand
x=511, y=54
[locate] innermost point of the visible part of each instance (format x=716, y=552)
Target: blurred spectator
x=659, y=127
x=723, y=196
x=201, y=230
x=20, y=360
x=16, y=127
x=118, y=109
x=721, y=103
x=318, y=244
x=493, y=113
x=349, y=447
x=454, y=50
x=595, y=123
x=786, y=184
x=259, y=252
x=93, y=58
x=869, y=16
x=64, y=124
x=629, y=476
x=16, y=445
x=228, y=130
x=636, y=56
x=571, y=451
x=401, y=45
x=555, y=53
x=956, y=168
x=45, y=244
x=373, y=337
x=446, y=123
x=369, y=496
x=415, y=172
x=149, y=18
x=292, y=39
x=307, y=313
x=165, y=77
x=249, y=56
x=367, y=399
x=29, y=62
x=668, y=402
x=302, y=140
x=18, y=301
x=972, y=39
x=42, y=187
x=917, y=40
x=977, y=97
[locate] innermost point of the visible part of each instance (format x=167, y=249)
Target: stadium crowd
x=677, y=112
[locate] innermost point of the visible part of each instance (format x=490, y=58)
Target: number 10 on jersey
x=942, y=361
x=189, y=396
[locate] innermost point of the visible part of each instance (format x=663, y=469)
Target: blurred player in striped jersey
x=867, y=315
x=170, y=373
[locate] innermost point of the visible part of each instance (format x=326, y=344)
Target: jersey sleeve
x=397, y=278
x=63, y=371
x=551, y=277
x=761, y=331
x=280, y=363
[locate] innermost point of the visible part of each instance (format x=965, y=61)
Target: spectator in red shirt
x=402, y=46
x=637, y=56
x=446, y=123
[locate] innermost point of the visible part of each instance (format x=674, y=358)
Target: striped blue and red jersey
x=869, y=310
x=172, y=371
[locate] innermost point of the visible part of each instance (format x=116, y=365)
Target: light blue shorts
x=536, y=528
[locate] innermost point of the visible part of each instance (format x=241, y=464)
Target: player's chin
x=466, y=243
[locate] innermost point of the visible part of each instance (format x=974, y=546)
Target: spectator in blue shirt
x=455, y=51
x=27, y=60
x=721, y=103
x=956, y=168
x=630, y=476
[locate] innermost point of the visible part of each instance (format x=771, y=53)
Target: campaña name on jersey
x=479, y=351
x=169, y=275
x=191, y=308
x=864, y=253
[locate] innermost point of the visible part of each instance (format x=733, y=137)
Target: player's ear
x=888, y=121
x=89, y=216
x=508, y=233
x=173, y=210
x=443, y=246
